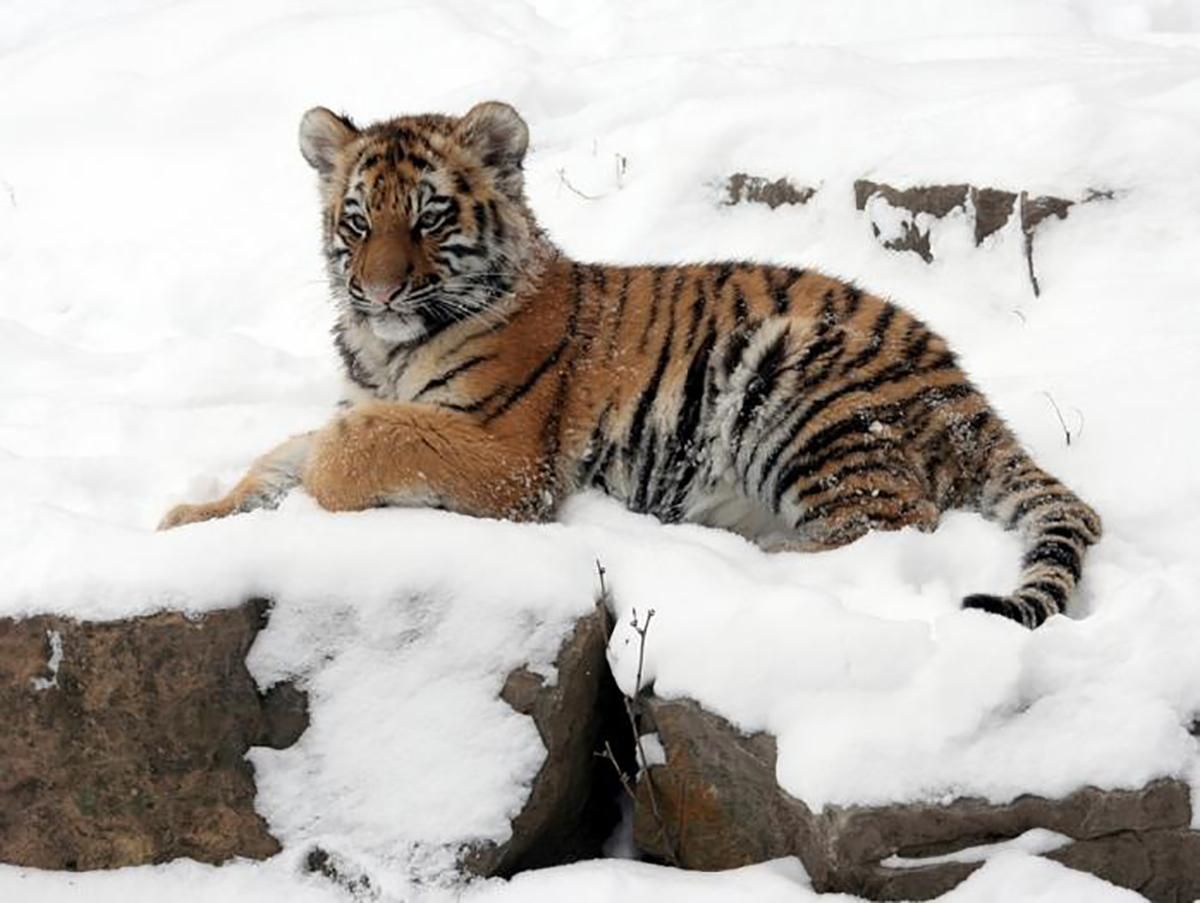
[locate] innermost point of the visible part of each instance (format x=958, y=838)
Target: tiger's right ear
x=323, y=134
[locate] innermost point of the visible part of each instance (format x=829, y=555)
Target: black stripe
x=459, y=251
x=655, y=298
x=1031, y=504
x=878, y=331
x=724, y=271
x=354, y=368
x=699, y=306
x=697, y=387
x=515, y=394
x=833, y=482
x=647, y=461
x=1034, y=610
x=1066, y=531
x=622, y=298
x=439, y=381
x=853, y=299
x=801, y=395
x=808, y=467
x=551, y=429
x=741, y=312
x=762, y=383
x=732, y=357
x=824, y=510
x=594, y=448
x=780, y=288
x=1051, y=589
x=1054, y=552
x=821, y=439
x=648, y=394
x=498, y=230
x=893, y=373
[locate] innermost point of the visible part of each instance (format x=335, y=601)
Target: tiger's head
x=425, y=221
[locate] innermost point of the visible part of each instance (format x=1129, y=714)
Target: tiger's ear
x=322, y=135
x=498, y=134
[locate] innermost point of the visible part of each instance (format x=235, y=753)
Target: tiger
x=489, y=374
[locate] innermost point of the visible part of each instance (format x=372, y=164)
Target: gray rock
x=721, y=808
x=559, y=822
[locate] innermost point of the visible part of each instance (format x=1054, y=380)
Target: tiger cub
x=490, y=374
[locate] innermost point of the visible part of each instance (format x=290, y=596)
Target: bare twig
x=622, y=164
x=633, y=709
x=621, y=775
x=1058, y=413
x=1019, y=315
x=603, y=587
x=562, y=177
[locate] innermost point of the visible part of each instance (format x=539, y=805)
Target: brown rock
x=124, y=741
x=721, y=808
x=559, y=822
x=991, y=208
x=745, y=188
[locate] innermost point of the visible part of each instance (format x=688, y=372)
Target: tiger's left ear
x=498, y=134
x=323, y=134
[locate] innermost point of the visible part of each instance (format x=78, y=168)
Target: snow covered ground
x=163, y=320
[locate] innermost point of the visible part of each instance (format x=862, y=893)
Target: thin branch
x=562, y=177
x=1058, y=414
x=633, y=709
x=621, y=775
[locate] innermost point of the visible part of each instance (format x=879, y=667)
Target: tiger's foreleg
x=381, y=453
x=269, y=479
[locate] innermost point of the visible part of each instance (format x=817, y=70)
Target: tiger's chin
x=397, y=329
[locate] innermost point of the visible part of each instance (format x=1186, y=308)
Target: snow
x=163, y=321
x=1035, y=840
x=1010, y=876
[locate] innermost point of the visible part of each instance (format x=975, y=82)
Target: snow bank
x=163, y=321
x=1010, y=876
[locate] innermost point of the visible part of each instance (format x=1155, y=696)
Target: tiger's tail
x=1057, y=525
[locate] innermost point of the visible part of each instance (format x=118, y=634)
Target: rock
x=571, y=807
x=935, y=201
x=124, y=741
x=749, y=189
x=721, y=808
x=990, y=208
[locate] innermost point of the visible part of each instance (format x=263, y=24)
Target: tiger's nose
x=382, y=292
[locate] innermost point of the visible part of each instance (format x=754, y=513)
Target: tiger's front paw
x=192, y=514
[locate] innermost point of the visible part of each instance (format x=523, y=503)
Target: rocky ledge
x=125, y=744
x=719, y=807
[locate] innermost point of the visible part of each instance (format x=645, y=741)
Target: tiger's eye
x=428, y=220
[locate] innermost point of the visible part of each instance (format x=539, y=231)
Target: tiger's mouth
x=397, y=328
